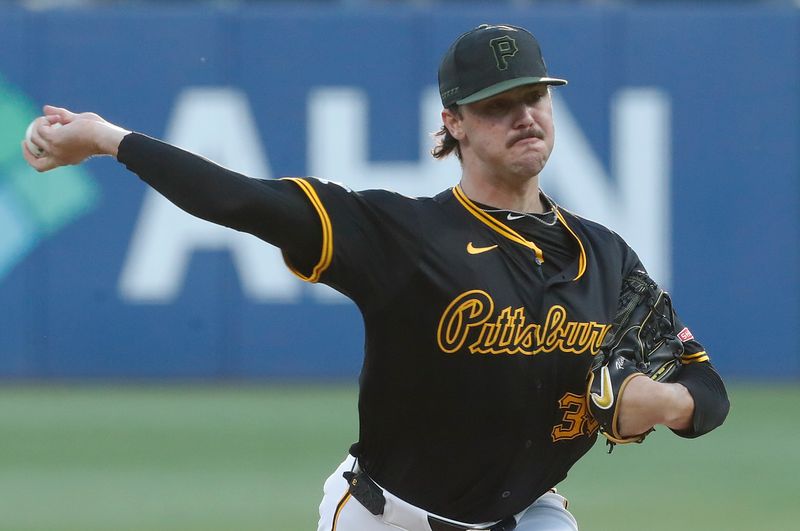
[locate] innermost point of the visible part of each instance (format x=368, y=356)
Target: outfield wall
x=680, y=129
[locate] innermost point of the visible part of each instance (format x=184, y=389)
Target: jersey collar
x=507, y=232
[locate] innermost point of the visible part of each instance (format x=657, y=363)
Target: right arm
x=274, y=210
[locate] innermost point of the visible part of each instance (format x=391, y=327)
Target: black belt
x=370, y=495
x=366, y=491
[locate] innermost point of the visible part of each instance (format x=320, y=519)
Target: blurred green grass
x=197, y=458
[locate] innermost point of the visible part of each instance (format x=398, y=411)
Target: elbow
x=711, y=403
x=232, y=213
x=708, y=417
x=714, y=417
x=724, y=410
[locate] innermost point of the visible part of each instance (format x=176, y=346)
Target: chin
x=528, y=168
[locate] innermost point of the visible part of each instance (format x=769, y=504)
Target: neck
x=516, y=195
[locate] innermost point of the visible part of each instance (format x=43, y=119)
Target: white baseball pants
x=341, y=512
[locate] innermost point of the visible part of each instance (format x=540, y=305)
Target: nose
x=524, y=116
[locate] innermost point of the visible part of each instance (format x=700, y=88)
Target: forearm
x=646, y=404
x=693, y=405
x=193, y=183
x=275, y=211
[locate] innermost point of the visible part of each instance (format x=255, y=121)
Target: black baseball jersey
x=472, y=390
x=480, y=325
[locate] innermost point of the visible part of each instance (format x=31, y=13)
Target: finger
x=27, y=155
x=40, y=121
x=65, y=116
x=36, y=132
x=46, y=131
x=38, y=164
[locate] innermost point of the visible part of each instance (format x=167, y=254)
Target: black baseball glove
x=642, y=341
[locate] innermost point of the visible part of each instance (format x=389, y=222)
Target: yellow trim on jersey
x=495, y=225
x=339, y=508
x=696, y=357
x=582, y=257
x=326, y=255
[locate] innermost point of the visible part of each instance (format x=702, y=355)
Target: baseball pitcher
x=503, y=332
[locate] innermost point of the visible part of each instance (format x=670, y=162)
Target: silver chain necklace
x=548, y=218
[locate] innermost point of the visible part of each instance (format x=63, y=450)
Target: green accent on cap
x=509, y=84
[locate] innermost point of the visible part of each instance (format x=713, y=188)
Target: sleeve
x=370, y=243
x=630, y=260
x=711, y=404
x=275, y=211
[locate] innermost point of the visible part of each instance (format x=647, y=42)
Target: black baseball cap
x=488, y=60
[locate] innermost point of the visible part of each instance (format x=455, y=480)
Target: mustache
x=528, y=133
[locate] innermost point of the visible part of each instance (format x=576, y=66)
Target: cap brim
x=503, y=86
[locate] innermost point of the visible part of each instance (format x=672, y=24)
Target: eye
x=534, y=96
x=495, y=106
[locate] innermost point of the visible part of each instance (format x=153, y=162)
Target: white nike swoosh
x=606, y=397
x=512, y=217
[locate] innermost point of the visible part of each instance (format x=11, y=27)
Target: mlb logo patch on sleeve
x=685, y=335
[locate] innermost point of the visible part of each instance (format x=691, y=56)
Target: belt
x=443, y=525
x=370, y=495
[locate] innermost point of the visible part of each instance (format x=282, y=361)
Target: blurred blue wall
x=82, y=292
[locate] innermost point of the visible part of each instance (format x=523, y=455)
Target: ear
x=453, y=122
